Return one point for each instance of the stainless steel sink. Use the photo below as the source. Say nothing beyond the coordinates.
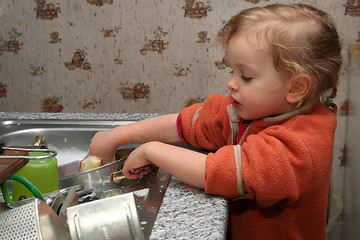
(71, 140)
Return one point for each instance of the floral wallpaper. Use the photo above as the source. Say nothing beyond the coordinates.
(123, 56)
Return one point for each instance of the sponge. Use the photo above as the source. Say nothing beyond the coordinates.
(89, 163)
(92, 162)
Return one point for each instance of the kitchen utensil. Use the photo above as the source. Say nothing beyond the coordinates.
(70, 200)
(117, 176)
(40, 142)
(111, 193)
(62, 195)
(69, 168)
(9, 166)
(109, 218)
(51, 153)
(51, 196)
(35, 220)
(97, 179)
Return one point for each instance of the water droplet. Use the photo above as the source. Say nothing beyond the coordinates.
(142, 192)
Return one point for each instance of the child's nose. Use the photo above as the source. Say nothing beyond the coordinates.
(232, 85)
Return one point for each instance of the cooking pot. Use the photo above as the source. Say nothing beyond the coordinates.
(98, 179)
(109, 218)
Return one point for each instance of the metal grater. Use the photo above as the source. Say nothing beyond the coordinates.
(20, 223)
(35, 220)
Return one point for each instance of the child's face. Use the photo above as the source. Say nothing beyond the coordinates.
(257, 88)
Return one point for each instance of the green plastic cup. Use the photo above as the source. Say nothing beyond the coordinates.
(41, 173)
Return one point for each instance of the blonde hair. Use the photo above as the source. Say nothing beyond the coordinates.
(302, 39)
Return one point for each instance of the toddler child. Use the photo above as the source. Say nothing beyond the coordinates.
(271, 138)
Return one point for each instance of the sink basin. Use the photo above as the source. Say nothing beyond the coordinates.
(71, 140)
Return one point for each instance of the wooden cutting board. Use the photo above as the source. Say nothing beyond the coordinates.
(10, 166)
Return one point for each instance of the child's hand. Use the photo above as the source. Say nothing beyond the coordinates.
(102, 146)
(135, 160)
(185, 164)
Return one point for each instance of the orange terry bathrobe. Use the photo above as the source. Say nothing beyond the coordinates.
(277, 175)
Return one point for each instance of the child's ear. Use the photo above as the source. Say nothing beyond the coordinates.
(298, 88)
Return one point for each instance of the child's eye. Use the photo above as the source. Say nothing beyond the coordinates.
(242, 76)
(246, 79)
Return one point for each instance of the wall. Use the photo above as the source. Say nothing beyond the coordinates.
(352, 178)
(133, 56)
(119, 56)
